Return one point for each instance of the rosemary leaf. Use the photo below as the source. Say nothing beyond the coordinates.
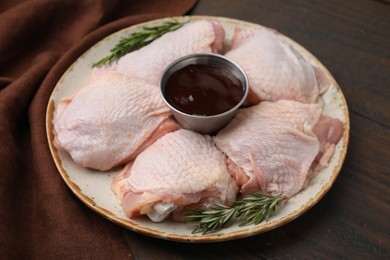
(138, 40)
(253, 209)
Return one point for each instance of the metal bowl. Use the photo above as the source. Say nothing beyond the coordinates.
(204, 124)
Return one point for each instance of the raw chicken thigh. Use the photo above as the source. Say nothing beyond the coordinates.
(274, 68)
(111, 120)
(150, 61)
(181, 168)
(272, 146)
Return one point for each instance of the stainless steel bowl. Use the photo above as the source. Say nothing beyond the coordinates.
(199, 123)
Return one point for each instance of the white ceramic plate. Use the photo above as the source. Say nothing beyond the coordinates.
(93, 188)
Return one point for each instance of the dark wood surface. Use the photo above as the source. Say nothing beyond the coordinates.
(352, 39)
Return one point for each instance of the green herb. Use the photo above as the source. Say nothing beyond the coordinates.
(252, 209)
(137, 40)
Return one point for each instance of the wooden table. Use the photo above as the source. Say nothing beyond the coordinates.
(352, 39)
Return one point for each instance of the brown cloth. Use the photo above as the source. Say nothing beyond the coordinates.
(40, 218)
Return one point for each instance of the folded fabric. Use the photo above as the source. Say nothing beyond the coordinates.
(39, 216)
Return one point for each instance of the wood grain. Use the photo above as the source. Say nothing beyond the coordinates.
(352, 39)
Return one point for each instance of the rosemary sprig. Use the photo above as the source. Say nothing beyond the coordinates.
(212, 219)
(256, 208)
(138, 40)
(252, 209)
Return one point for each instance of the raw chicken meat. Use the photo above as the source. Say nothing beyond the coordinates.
(272, 146)
(150, 61)
(328, 131)
(111, 120)
(181, 168)
(274, 68)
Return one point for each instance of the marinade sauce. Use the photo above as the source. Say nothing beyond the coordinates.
(199, 89)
